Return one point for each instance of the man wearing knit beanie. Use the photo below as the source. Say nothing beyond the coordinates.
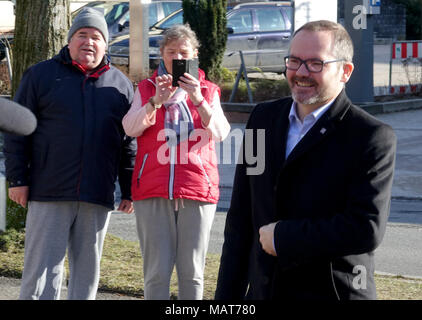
(88, 38)
(66, 170)
(89, 18)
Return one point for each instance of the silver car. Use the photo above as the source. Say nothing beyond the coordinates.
(262, 32)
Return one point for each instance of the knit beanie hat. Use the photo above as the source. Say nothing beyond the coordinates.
(89, 18)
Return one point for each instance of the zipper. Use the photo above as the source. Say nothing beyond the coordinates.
(172, 165)
(86, 77)
(142, 169)
(205, 173)
(78, 186)
(333, 282)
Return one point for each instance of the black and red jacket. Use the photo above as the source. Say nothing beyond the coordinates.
(79, 148)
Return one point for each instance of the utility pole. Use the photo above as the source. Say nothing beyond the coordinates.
(359, 23)
(139, 40)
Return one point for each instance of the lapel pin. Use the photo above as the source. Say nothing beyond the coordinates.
(323, 130)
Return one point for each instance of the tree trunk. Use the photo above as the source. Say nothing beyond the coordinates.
(41, 28)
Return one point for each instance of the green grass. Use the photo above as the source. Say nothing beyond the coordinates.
(121, 270)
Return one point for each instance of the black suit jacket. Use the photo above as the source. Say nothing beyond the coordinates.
(331, 197)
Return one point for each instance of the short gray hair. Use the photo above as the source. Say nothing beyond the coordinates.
(343, 45)
(179, 31)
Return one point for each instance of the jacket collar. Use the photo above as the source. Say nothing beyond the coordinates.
(64, 57)
(323, 127)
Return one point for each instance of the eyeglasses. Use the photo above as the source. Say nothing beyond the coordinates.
(312, 65)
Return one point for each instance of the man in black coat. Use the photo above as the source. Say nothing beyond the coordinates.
(308, 225)
(67, 168)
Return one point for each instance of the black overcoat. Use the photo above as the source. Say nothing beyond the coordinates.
(331, 197)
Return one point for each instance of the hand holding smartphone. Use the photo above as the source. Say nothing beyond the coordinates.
(182, 66)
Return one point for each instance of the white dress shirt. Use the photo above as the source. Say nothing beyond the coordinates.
(298, 129)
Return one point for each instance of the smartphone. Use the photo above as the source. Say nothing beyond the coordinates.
(182, 66)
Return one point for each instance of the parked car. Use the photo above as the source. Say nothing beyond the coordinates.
(117, 15)
(260, 30)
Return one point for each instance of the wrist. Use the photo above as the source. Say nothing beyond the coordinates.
(200, 104)
(154, 104)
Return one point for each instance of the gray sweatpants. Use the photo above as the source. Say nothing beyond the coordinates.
(168, 238)
(51, 227)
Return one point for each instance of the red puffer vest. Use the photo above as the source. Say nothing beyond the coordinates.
(188, 170)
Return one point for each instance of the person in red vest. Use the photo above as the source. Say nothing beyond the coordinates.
(175, 180)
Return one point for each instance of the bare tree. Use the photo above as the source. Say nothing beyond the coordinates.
(40, 32)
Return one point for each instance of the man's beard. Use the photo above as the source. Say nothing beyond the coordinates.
(317, 98)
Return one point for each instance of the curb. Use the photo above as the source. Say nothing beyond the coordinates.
(400, 276)
(404, 198)
(392, 106)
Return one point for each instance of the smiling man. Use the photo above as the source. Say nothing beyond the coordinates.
(66, 170)
(306, 228)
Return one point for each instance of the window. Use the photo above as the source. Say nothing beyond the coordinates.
(289, 12)
(176, 19)
(112, 13)
(270, 20)
(169, 7)
(240, 22)
(153, 14)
